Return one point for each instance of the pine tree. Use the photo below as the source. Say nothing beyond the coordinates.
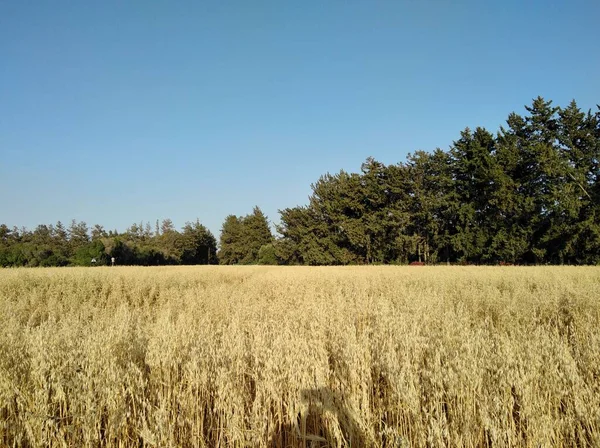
(231, 251)
(574, 235)
(474, 175)
(255, 234)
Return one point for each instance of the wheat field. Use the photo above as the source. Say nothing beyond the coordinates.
(300, 357)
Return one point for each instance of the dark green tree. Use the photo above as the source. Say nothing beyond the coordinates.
(199, 245)
(170, 243)
(268, 255)
(231, 250)
(474, 172)
(255, 234)
(574, 233)
(98, 232)
(432, 206)
(78, 235)
(242, 238)
(306, 239)
(94, 250)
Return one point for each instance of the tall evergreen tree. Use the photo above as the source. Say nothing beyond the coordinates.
(231, 250)
(78, 234)
(255, 234)
(428, 202)
(574, 234)
(475, 178)
(170, 243)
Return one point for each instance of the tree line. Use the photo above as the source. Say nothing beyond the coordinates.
(78, 245)
(528, 194)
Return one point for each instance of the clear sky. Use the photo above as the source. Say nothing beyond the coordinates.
(115, 112)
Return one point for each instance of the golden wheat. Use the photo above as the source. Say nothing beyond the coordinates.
(290, 357)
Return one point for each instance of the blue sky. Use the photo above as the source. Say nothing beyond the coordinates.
(118, 112)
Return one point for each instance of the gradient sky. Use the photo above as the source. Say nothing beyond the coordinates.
(115, 112)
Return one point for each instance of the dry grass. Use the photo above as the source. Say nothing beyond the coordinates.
(278, 357)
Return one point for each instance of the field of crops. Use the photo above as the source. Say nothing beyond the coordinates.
(290, 357)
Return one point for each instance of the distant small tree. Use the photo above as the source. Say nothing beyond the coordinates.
(166, 226)
(94, 250)
(98, 232)
(267, 255)
(78, 235)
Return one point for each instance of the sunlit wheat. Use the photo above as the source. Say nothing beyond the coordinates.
(291, 357)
